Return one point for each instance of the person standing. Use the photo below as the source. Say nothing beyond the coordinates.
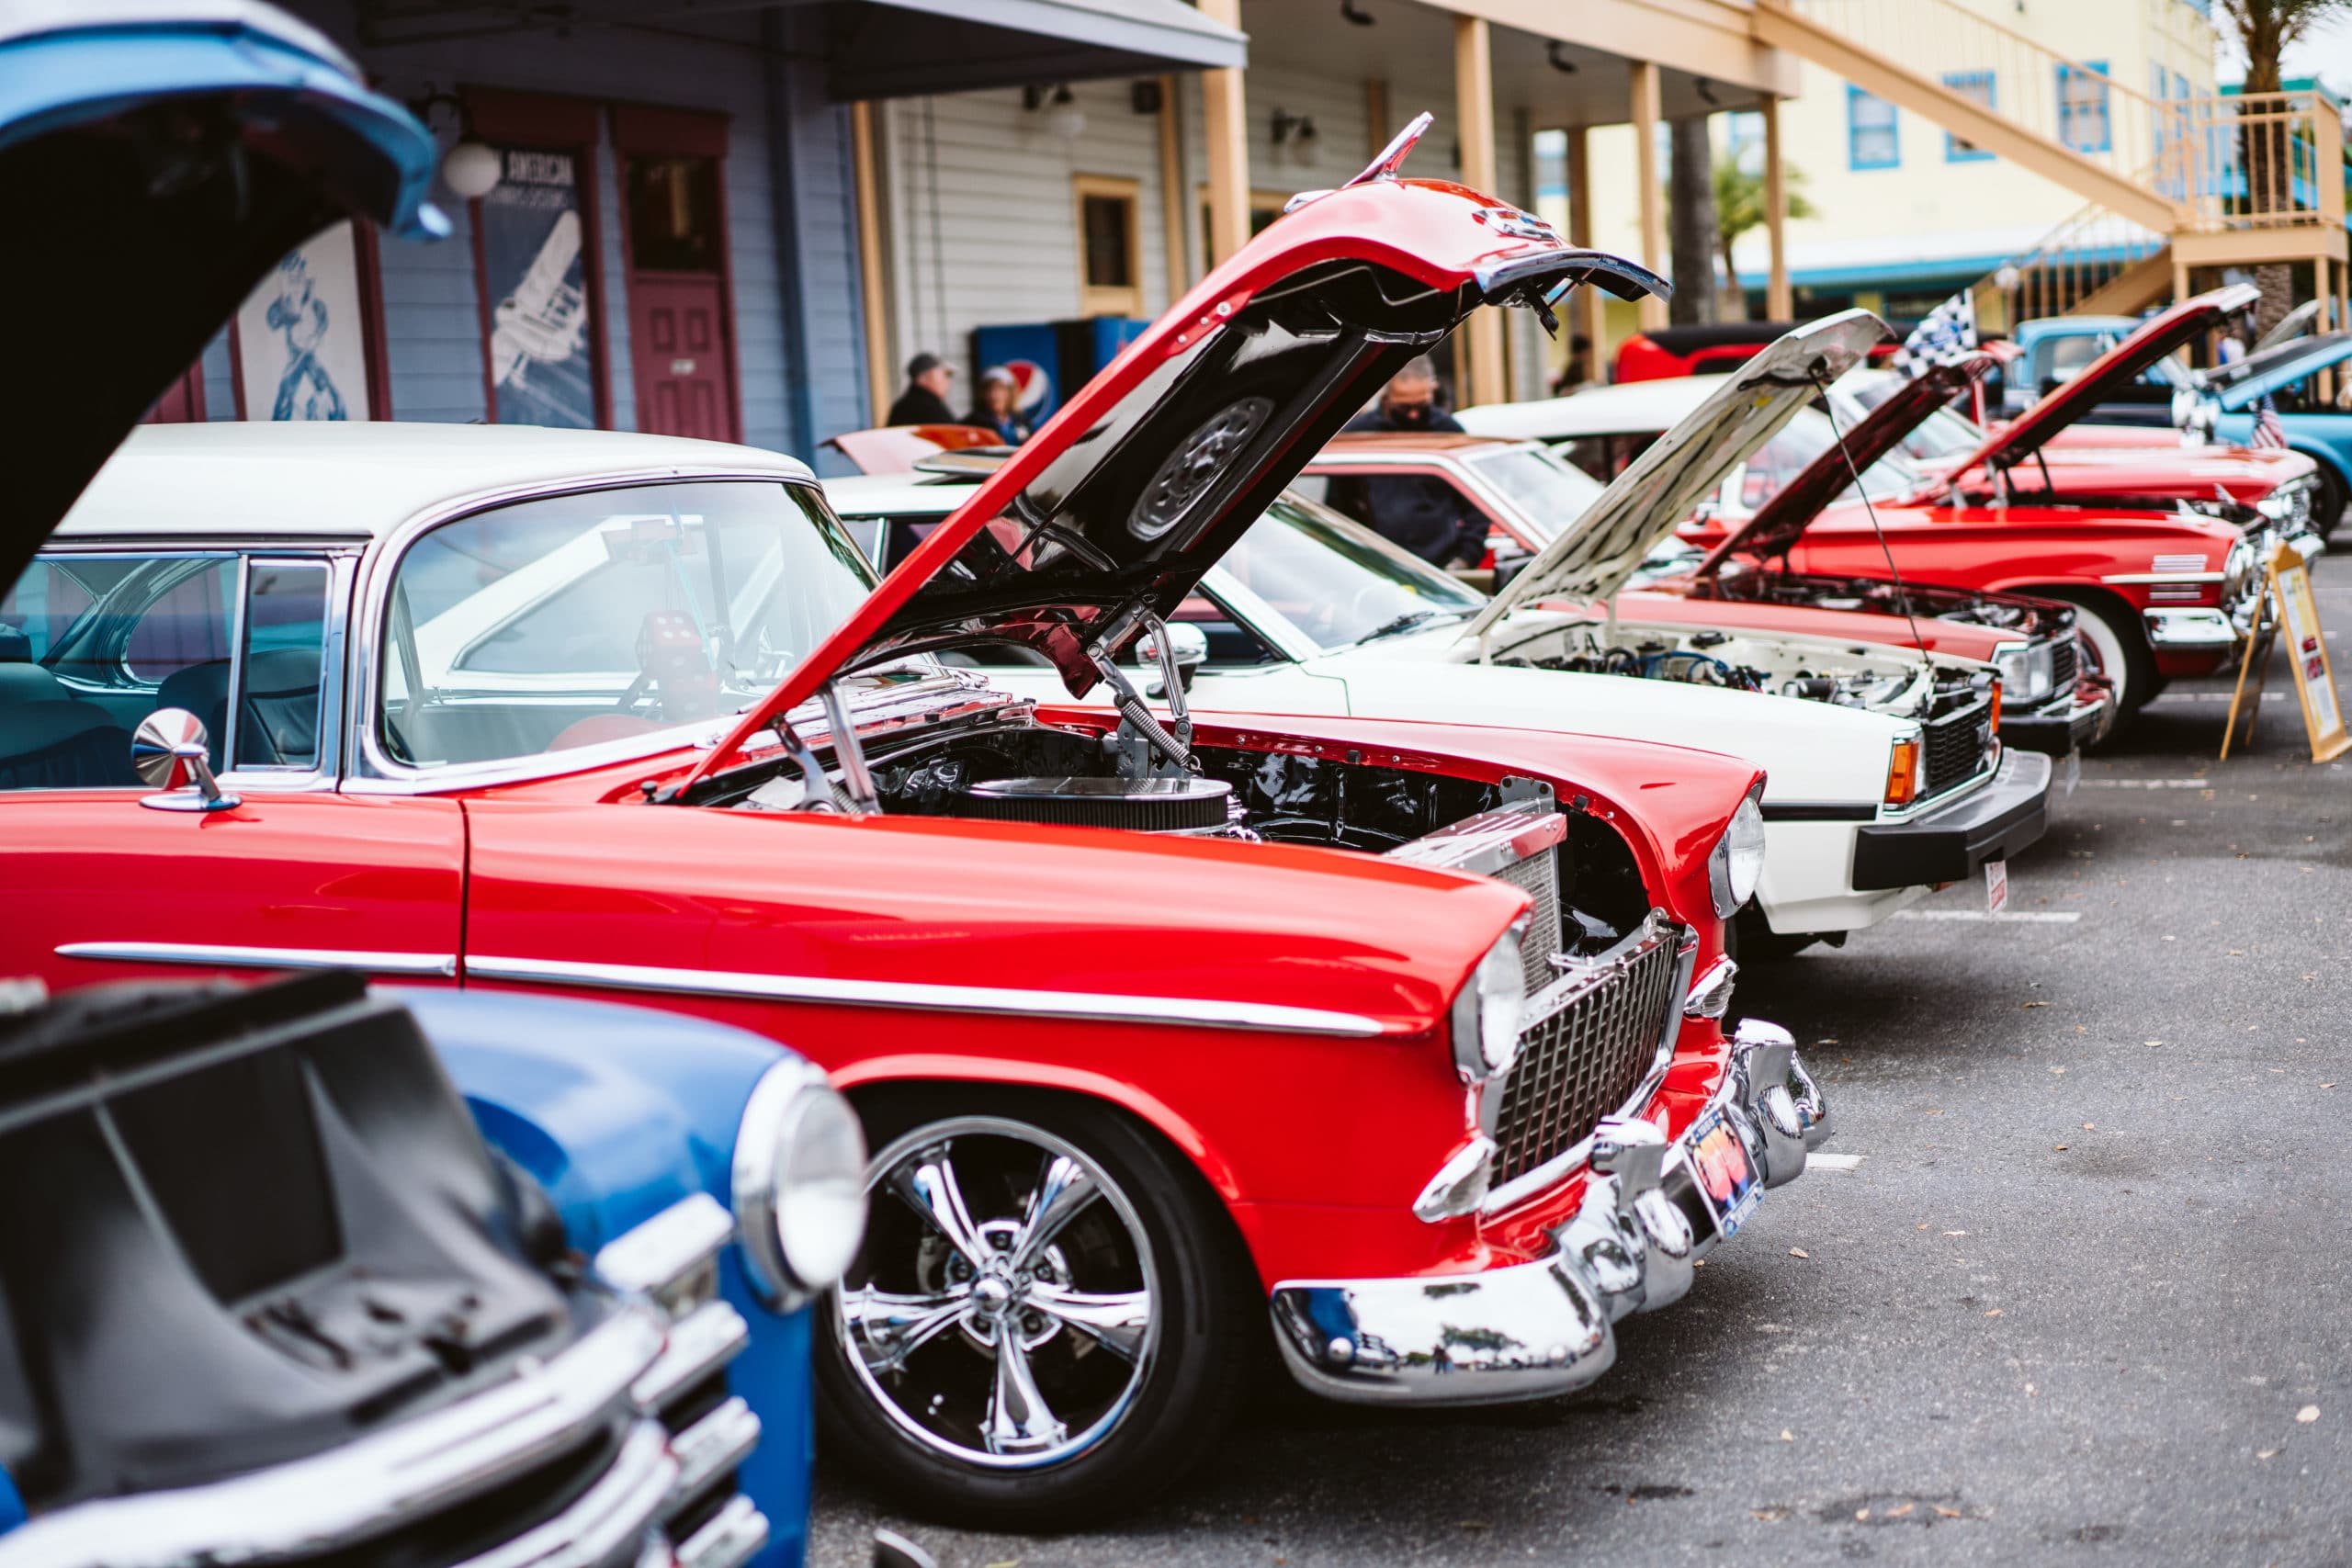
(1416, 512)
(999, 407)
(926, 399)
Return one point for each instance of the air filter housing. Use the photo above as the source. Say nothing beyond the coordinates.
(1144, 805)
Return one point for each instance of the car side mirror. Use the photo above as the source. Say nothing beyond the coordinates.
(171, 752)
(1187, 645)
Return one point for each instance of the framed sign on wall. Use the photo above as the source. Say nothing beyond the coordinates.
(304, 344)
(536, 263)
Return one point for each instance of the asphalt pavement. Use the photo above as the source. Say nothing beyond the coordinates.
(2086, 1298)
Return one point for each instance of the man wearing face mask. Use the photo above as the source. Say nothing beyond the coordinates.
(1420, 513)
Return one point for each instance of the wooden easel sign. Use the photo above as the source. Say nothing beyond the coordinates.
(2286, 591)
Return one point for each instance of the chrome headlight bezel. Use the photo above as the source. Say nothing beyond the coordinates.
(798, 1180)
(2028, 671)
(1487, 1009)
(1735, 865)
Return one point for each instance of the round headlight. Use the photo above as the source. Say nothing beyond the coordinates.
(1738, 862)
(1487, 1014)
(799, 1184)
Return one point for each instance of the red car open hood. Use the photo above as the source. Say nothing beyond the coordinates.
(1780, 521)
(2106, 375)
(1145, 478)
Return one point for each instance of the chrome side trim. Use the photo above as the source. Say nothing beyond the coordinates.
(362, 1488)
(1081, 1005)
(2162, 577)
(212, 956)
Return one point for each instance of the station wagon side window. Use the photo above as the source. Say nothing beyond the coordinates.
(91, 643)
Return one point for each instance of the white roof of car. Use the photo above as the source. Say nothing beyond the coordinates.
(334, 480)
(1643, 406)
(871, 495)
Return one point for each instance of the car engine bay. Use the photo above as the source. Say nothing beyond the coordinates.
(1881, 681)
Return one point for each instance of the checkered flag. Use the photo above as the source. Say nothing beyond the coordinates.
(1949, 329)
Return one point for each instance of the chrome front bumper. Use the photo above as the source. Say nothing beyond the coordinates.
(1535, 1330)
(2189, 626)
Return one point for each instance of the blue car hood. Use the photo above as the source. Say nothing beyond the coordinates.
(157, 157)
(2237, 386)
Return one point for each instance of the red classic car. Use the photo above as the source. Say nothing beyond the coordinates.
(1528, 495)
(1402, 1044)
(2161, 590)
(2047, 454)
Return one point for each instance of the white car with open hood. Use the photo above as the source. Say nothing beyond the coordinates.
(1886, 775)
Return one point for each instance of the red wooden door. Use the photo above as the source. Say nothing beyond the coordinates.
(678, 339)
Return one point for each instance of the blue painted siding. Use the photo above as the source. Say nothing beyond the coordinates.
(432, 321)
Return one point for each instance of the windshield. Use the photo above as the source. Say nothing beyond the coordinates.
(1791, 452)
(1947, 432)
(575, 619)
(1338, 581)
(1545, 488)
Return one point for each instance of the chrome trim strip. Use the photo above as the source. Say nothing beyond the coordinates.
(711, 1446)
(668, 1250)
(2163, 577)
(733, 1534)
(358, 1490)
(1080, 1005)
(699, 1344)
(212, 956)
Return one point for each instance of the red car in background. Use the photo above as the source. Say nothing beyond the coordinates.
(1527, 494)
(2165, 589)
(2047, 454)
(1708, 350)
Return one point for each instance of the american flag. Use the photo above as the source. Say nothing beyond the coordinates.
(2269, 431)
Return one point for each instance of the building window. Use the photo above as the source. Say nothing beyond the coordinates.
(1870, 141)
(1744, 142)
(2082, 107)
(1977, 87)
(1110, 248)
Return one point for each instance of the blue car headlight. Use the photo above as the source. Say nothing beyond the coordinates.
(799, 1184)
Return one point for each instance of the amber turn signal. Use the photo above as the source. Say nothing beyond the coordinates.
(1995, 729)
(1903, 774)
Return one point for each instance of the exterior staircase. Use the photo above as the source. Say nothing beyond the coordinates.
(2169, 184)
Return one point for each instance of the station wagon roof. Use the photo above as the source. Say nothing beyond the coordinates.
(326, 481)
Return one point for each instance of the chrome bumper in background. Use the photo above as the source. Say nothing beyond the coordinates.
(1534, 1330)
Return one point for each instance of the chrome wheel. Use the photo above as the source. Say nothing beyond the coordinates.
(1003, 1309)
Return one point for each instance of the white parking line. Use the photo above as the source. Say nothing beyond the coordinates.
(2151, 784)
(1848, 1163)
(2019, 917)
(2212, 697)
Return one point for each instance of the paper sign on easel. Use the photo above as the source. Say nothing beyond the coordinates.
(2314, 677)
(2287, 593)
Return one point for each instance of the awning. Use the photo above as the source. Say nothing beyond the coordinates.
(896, 49)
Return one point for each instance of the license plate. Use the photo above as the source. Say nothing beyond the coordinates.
(1997, 886)
(2073, 771)
(1728, 1185)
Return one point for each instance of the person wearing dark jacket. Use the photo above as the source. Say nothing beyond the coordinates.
(926, 399)
(1415, 512)
(999, 407)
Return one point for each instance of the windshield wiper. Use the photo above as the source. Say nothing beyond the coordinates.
(1409, 621)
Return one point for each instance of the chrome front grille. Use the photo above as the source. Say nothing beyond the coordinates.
(2062, 664)
(1955, 748)
(1518, 843)
(1589, 1045)
(1539, 876)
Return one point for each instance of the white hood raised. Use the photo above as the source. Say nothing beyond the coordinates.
(1595, 556)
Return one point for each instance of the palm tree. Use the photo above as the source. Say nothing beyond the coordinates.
(1739, 207)
(2267, 29)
